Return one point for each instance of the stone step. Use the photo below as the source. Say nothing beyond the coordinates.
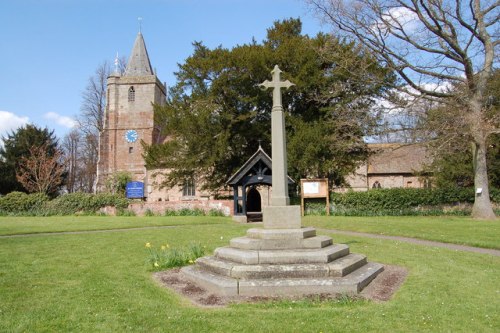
(347, 264)
(351, 283)
(296, 256)
(218, 284)
(239, 271)
(365, 274)
(296, 287)
(337, 268)
(317, 242)
(227, 286)
(216, 265)
(297, 233)
(247, 243)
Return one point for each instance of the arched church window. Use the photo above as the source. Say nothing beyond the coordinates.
(131, 94)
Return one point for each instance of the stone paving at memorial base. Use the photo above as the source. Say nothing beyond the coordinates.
(282, 262)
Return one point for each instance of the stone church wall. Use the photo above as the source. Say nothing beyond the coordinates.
(159, 207)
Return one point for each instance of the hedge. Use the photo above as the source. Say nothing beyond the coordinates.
(406, 201)
(18, 203)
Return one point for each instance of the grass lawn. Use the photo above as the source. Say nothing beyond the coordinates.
(99, 282)
(28, 225)
(458, 230)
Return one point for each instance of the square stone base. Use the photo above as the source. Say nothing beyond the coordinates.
(281, 217)
(240, 218)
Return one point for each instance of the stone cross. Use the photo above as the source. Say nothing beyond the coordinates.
(279, 195)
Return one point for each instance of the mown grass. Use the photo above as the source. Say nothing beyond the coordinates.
(26, 225)
(100, 282)
(458, 230)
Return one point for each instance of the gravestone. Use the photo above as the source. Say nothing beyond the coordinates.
(283, 258)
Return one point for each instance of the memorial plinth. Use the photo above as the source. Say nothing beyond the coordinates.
(282, 259)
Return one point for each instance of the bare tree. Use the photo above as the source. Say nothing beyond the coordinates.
(90, 124)
(442, 50)
(41, 172)
(91, 119)
(94, 100)
(71, 144)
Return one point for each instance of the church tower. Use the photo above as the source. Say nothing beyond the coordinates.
(129, 117)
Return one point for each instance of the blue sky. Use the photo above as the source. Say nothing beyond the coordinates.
(49, 48)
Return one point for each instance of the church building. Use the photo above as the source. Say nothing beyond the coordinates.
(129, 119)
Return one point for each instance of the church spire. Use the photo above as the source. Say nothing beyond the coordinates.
(138, 63)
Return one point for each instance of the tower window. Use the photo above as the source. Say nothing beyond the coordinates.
(130, 150)
(188, 189)
(131, 94)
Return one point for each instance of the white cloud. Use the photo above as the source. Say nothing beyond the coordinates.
(397, 17)
(9, 122)
(60, 120)
(401, 16)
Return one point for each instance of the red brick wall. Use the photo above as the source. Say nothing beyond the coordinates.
(159, 207)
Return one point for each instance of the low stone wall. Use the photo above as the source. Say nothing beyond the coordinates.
(159, 207)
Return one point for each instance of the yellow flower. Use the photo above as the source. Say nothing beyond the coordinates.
(191, 261)
(148, 245)
(163, 247)
(156, 264)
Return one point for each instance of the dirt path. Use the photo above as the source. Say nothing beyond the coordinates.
(417, 241)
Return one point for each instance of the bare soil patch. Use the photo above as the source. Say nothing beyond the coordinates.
(385, 284)
(381, 289)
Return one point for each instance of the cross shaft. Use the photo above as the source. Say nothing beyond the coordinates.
(279, 196)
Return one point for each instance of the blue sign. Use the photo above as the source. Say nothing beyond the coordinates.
(134, 190)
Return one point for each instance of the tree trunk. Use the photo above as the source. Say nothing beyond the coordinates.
(482, 208)
(482, 205)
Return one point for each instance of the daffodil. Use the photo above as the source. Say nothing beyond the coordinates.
(148, 245)
(163, 247)
(156, 264)
(191, 261)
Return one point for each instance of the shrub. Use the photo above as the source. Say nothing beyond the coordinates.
(170, 212)
(215, 212)
(125, 212)
(86, 203)
(185, 212)
(314, 207)
(149, 212)
(117, 182)
(20, 202)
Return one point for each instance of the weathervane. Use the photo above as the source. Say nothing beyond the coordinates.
(117, 62)
(140, 24)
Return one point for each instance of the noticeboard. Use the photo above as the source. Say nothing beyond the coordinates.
(314, 188)
(134, 190)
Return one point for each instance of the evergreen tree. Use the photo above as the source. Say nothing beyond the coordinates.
(17, 145)
(216, 114)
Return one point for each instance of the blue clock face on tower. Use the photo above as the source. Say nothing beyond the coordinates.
(131, 136)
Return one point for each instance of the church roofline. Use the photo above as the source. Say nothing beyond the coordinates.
(236, 177)
(259, 155)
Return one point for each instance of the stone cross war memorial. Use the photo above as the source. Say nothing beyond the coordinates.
(282, 258)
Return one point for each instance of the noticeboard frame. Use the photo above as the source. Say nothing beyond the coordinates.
(314, 188)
